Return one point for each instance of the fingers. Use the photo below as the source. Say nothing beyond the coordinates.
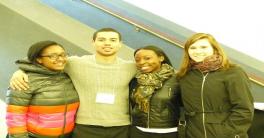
(18, 85)
(26, 79)
(19, 81)
(12, 85)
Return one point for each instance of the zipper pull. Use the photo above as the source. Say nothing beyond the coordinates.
(169, 92)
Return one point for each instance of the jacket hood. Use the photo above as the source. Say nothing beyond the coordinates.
(27, 66)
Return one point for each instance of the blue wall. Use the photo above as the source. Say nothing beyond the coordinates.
(133, 38)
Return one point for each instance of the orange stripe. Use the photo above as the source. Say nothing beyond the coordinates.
(16, 130)
(73, 106)
(53, 109)
(50, 131)
(16, 109)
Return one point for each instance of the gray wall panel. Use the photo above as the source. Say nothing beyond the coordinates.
(17, 33)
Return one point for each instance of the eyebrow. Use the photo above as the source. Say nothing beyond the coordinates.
(54, 53)
(106, 38)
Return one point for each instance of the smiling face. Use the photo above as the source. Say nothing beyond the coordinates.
(107, 43)
(200, 49)
(148, 61)
(53, 58)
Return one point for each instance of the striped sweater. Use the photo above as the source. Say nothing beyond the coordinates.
(91, 77)
(47, 109)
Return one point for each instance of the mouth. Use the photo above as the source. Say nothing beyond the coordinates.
(144, 68)
(107, 49)
(200, 56)
(60, 64)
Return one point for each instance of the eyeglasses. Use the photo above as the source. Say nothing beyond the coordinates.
(55, 56)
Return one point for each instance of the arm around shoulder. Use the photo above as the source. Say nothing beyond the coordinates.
(19, 80)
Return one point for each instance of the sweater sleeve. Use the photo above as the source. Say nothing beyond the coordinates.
(17, 108)
(241, 100)
(70, 62)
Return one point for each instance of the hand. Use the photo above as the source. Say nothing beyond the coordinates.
(19, 81)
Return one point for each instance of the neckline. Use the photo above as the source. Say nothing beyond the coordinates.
(104, 63)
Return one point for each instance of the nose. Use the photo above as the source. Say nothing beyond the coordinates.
(201, 50)
(140, 62)
(107, 43)
(198, 51)
(61, 58)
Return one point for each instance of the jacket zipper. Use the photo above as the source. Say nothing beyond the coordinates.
(148, 115)
(149, 109)
(202, 99)
(65, 111)
(169, 92)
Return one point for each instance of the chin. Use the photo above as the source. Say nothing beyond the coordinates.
(198, 60)
(108, 54)
(146, 71)
(58, 69)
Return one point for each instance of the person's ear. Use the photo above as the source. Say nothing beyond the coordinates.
(161, 58)
(120, 44)
(93, 42)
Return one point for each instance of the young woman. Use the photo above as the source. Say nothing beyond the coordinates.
(215, 93)
(154, 96)
(47, 109)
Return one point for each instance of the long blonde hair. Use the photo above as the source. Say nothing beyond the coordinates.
(186, 66)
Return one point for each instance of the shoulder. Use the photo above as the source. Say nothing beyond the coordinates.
(235, 73)
(235, 70)
(128, 65)
(133, 84)
(36, 79)
(77, 61)
(120, 60)
(78, 58)
(172, 80)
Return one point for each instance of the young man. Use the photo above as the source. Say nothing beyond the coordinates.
(101, 81)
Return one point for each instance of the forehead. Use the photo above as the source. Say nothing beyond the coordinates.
(107, 35)
(53, 49)
(145, 52)
(201, 42)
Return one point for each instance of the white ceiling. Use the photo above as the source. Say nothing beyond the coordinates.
(237, 24)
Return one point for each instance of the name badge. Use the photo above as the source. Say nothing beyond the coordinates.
(105, 98)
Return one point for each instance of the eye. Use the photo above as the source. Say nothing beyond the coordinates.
(192, 47)
(113, 40)
(54, 56)
(63, 55)
(204, 47)
(100, 39)
(147, 58)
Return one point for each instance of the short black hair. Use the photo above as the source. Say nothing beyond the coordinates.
(158, 51)
(36, 49)
(107, 30)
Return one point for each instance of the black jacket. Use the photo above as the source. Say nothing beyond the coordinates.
(218, 104)
(164, 106)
